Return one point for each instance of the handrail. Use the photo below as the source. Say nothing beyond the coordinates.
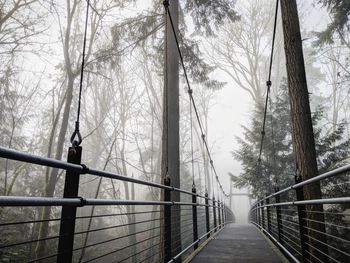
(217, 215)
(82, 169)
(337, 200)
(307, 218)
(335, 172)
(35, 159)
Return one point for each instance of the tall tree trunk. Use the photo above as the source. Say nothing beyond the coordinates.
(302, 135)
(170, 139)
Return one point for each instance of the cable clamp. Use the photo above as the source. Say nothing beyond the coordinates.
(190, 91)
(83, 201)
(269, 83)
(85, 169)
(193, 187)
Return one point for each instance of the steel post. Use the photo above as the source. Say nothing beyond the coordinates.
(258, 214)
(223, 213)
(263, 225)
(207, 220)
(194, 217)
(68, 214)
(214, 212)
(167, 222)
(268, 216)
(219, 212)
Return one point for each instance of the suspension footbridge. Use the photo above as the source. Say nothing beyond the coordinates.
(172, 223)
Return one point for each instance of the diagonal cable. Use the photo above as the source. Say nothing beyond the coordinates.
(268, 84)
(76, 131)
(190, 92)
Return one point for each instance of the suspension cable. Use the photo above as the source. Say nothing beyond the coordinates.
(166, 5)
(268, 85)
(166, 132)
(205, 178)
(76, 132)
(217, 188)
(212, 181)
(273, 143)
(192, 160)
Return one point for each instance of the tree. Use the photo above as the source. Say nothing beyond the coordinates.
(18, 28)
(302, 130)
(278, 157)
(136, 30)
(340, 12)
(71, 67)
(240, 50)
(277, 164)
(332, 151)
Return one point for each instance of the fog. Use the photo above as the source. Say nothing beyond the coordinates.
(226, 55)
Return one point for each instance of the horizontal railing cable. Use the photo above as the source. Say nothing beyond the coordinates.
(119, 214)
(290, 243)
(29, 242)
(329, 235)
(142, 251)
(78, 217)
(326, 223)
(321, 252)
(116, 238)
(29, 222)
(42, 258)
(313, 256)
(329, 246)
(120, 249)
(149, 257)
(115, 226)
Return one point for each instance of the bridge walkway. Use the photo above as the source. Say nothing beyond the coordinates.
(241, 243)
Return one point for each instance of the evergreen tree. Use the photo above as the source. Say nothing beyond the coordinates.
(277, 164)
(339, 11)
(277, 159)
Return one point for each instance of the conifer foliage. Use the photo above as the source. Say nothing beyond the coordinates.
(277, 166)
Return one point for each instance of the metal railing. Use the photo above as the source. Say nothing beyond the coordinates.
(312, 230)
(142, 232)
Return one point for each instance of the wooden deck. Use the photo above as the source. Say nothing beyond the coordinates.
(239, 243)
